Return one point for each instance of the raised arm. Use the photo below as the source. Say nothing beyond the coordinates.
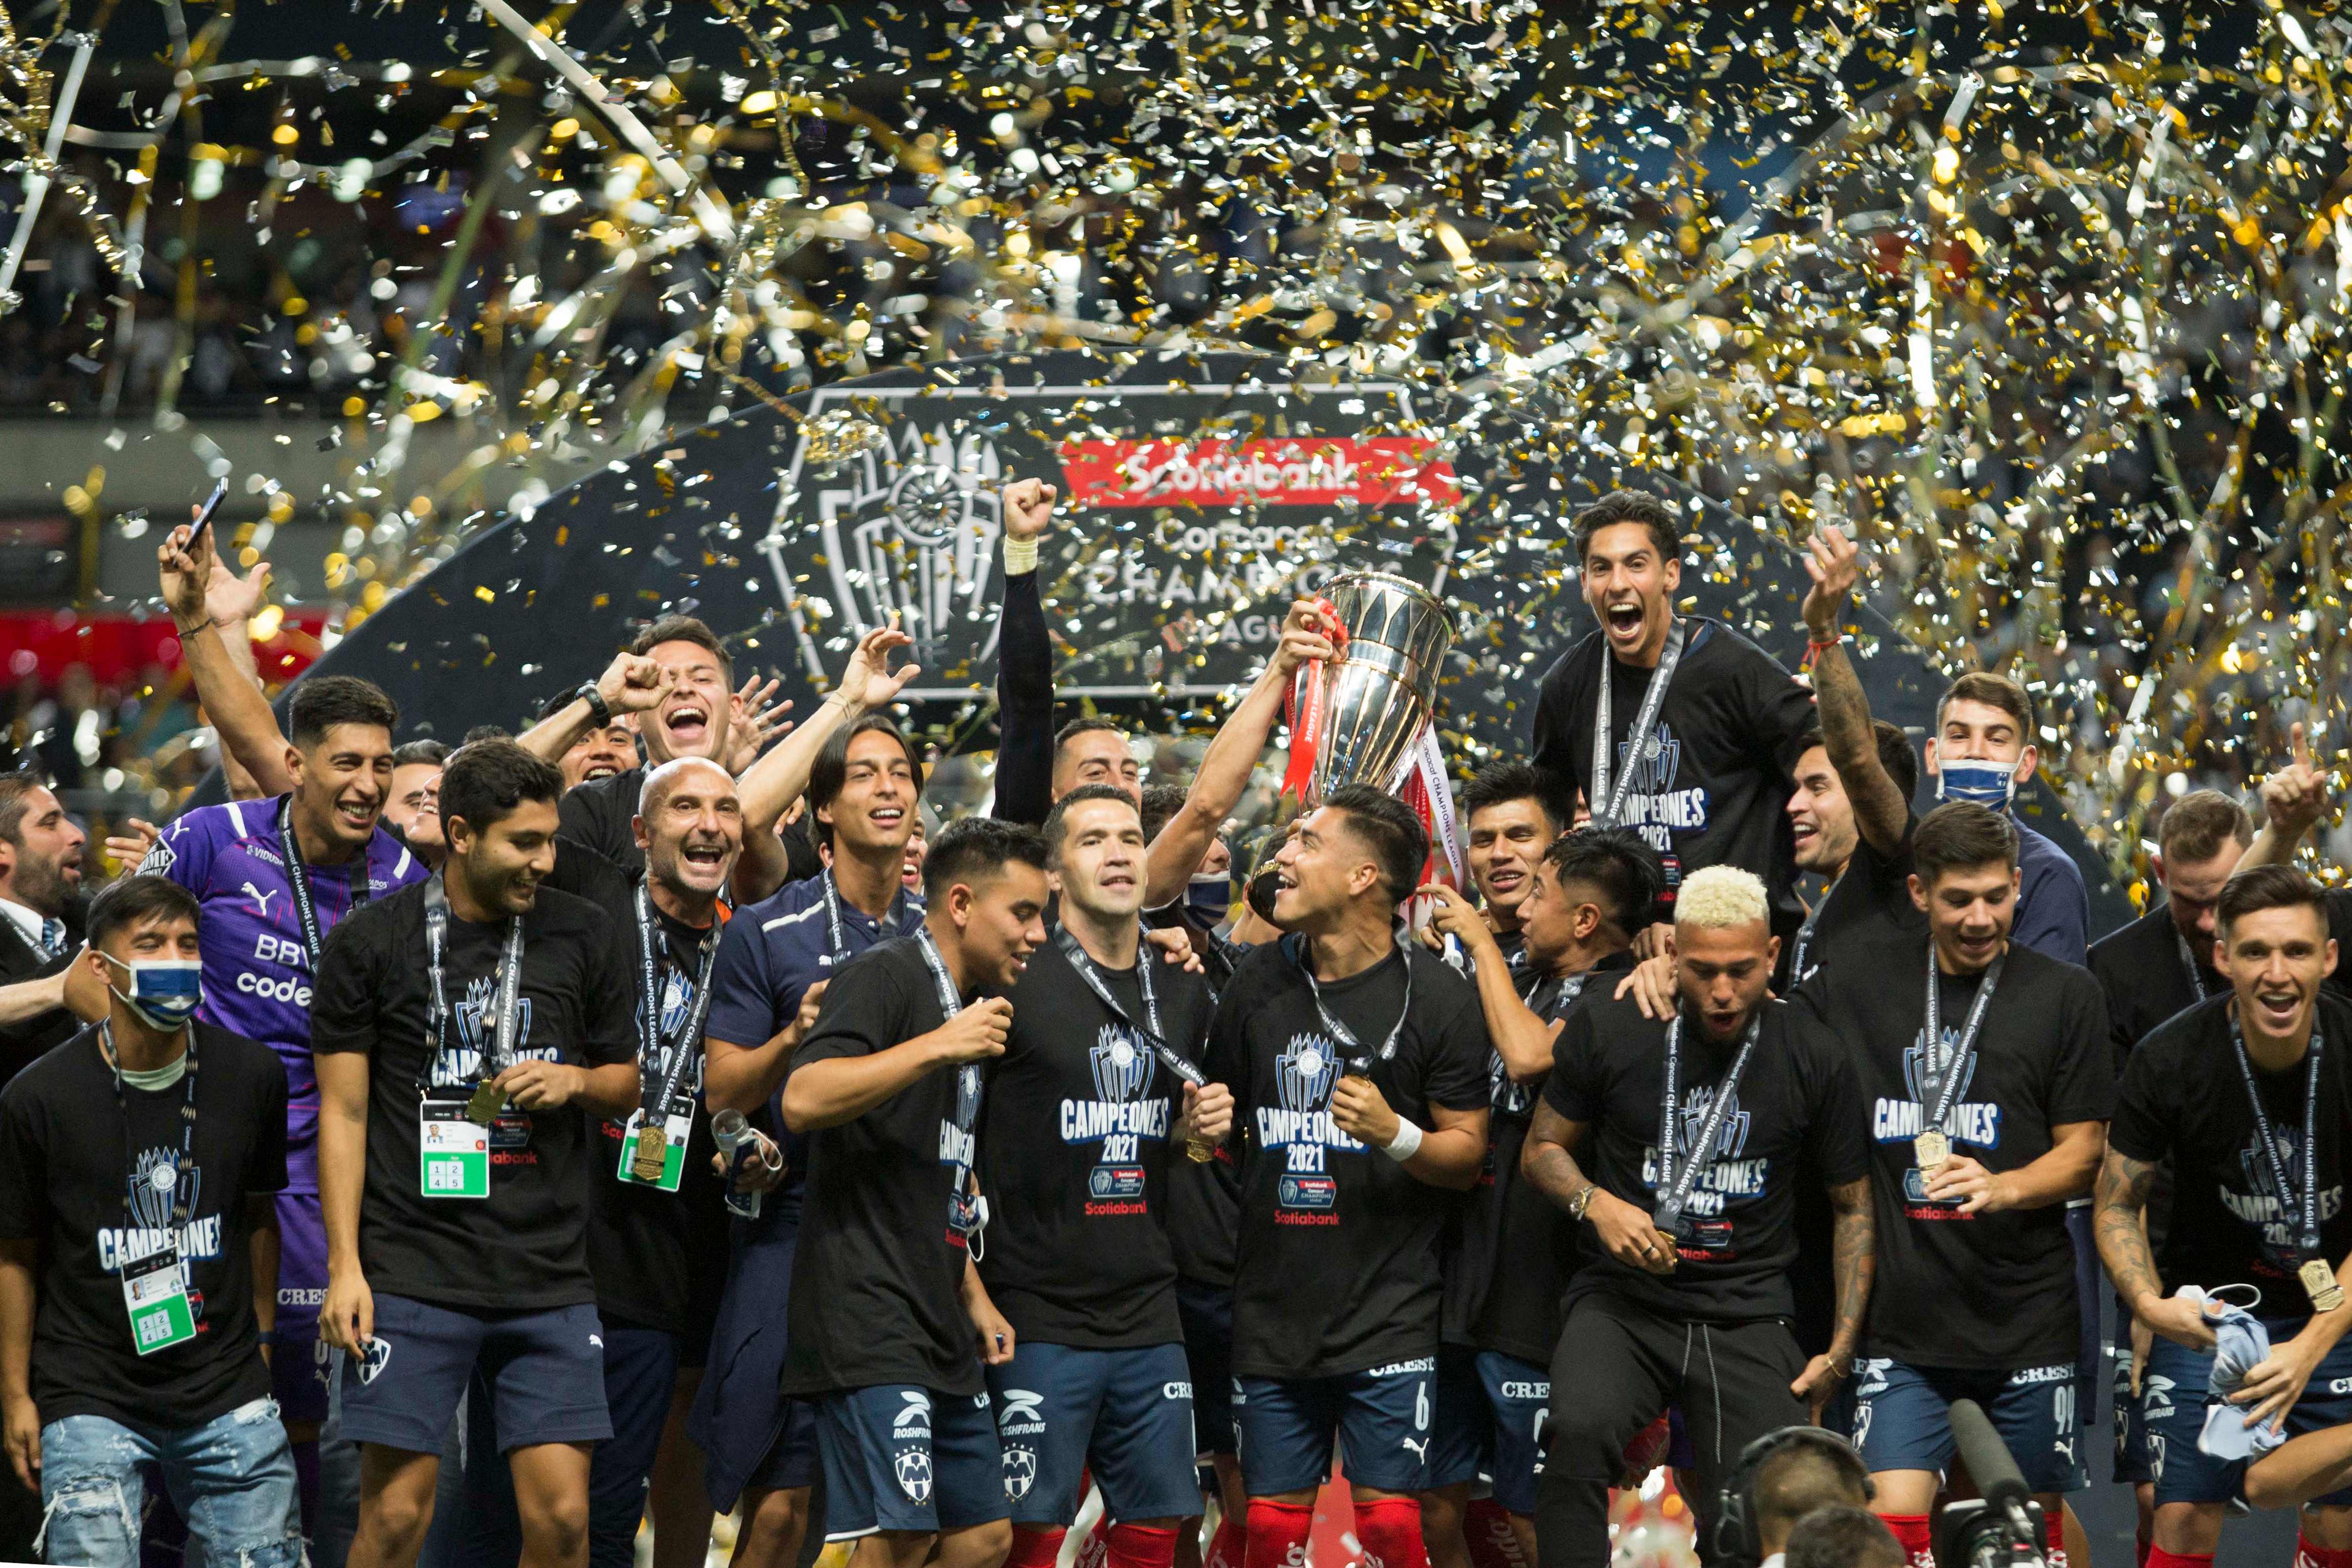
(2293, 798)
(630, 684)
(743, 1077)
(1225, 768)
(210, 609)
(1880, 809)
(1025, 662)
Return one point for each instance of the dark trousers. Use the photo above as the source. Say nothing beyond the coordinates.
(1616, 1370)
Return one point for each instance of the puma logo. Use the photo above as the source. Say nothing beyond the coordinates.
(260, 898)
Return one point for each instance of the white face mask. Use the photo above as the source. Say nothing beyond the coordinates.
(165, 991)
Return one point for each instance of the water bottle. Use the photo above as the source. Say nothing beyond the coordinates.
(735, 1138)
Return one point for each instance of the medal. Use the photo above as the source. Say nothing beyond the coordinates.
(652, 1156)
(2319, 1284)
(487, 1101)
(1931, 1149)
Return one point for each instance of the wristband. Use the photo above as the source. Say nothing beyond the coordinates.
(1020, 555)
(1814, 645)
(267, 1336)
(600, 712)
(1405, 1144)
(201, 626)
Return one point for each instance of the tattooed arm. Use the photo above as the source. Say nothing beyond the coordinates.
(1624, 1230)
(2119, 1223)
(1853, 1264)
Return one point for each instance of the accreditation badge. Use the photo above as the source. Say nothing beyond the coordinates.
(453, 1152)
(155, 1292)
(647, 1163)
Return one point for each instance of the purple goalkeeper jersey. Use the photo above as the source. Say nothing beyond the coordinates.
(257, 968)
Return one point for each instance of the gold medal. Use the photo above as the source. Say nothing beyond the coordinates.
(2319, 1284)
(1931, 1149)
(487, 1101)
(1198, 1149)
(652, 1154)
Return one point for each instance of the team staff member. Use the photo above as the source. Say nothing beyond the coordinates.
(1983, 753)
(40, 927)
(1512, 812)
(461, 1028)
(1987, 1099)
(1083, 1113)
(1358, 1069)
(1702, 726)
(1590, 891)
(2246, 1096)
(886, 1308)
(139, 1258)
(1681, 1146)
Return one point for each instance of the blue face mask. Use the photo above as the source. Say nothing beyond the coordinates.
(1210, 899)
(165, 991)
(1991, 785)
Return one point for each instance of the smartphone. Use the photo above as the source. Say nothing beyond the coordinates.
(204, 514)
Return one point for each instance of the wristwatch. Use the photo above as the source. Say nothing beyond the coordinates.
(1583, 1200)
(600, 712)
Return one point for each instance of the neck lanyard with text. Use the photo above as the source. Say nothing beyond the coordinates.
(502, 1052)
(1675, 1185)
(681, 1047)
(1640, 740)
(298, 879)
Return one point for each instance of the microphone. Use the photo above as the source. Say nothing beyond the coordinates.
(2002, 1528)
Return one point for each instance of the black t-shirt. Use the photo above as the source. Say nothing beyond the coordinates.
(525, 1246)
(2144, 979)
(1796, 1100)
(878, 1282)
(1506, 1278)
(1870, 899)
(1992, 1292)
(1731, 727)
(648, 1249)
(2339, 930)
(1075, 1145)
(2184, 1100)
(601, 814)
(1338, 1258)
(64, 1182)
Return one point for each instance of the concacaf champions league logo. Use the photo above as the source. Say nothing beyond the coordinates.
(1304, 1071)
(151, 1205)
(1919, 1081)
(476, 1016)
(1653, 770)
(1122, 1069)
(1733, 1137)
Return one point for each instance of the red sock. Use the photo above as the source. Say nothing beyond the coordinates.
(1138, 1546)
(2157, 1557)
(1227, 1546)
(2308, 1555)
(1092, 1551)
(1277, 1533)
(1912, 1534)
(1486, 1528)
(2054, 1539)
(1391, 1531)
(2141, 1547)
(1035, 1546)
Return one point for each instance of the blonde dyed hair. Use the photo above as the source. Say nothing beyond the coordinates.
(1720, 896)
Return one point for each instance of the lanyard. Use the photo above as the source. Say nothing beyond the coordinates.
(2307, 1220)
(1946, 1073)
(1797, 969)
(2189, 962)
(1357, 1063)
(1571, 986)
(835, 931)
(965, 1213)
(683, 1046)
(1640, 742)
(500, 1055)
(298, 879)
(1674, 1185)
(1169, 1056)
(179, 1176)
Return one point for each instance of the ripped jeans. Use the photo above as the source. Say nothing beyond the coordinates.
(232, 1479)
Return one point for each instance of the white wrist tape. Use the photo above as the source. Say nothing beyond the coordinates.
(1020, 555)
(1406, 1143)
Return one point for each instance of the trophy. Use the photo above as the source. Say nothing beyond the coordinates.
(1381, 693)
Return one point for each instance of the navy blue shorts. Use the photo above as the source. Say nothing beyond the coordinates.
(1902, 1418)
(790, 1461)
(1207, 1313)
(1128, 1413)
(901, 1457)
(1490, 1416)
(2172, 1399)
(545, 1370)
(1381, 1420)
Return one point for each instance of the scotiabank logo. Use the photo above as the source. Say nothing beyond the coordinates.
(1309, 471)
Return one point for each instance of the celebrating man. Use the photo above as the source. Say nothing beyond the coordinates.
(1680, 1144)
(1358, 1069)
(40, 879)
(1988, 1079)
(1512, 812)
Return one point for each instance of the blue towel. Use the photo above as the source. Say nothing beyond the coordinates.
(2241, 1344)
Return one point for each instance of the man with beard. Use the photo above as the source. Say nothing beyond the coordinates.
(1682, 1145)
(1358, 1064)
(2245, 1096)
(889, 1322)
(40, 879)
(455, 1160)
(414, 812)
(1675, 726)
(1512, 812)
(1098, 1086)
(1967, 1041)
(1589, 893)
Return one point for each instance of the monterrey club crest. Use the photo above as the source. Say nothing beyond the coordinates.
(1303, 1072)
(911, 1437)
(1122, 1069)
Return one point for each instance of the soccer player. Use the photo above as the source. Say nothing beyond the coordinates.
(889, 1323)
(1983, 752)
(2293, 799)
(1988, 1099)
(1701, 725)
(1098, 1090)
(1358, 1069)
(1512, 812)
(1589, 893)
(2245, 1096)
(1681, 1144)
(461, 1028)
(40, 914)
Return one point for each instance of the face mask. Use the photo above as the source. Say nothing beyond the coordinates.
(1992, 785)
(165, 991)
(1208, 898)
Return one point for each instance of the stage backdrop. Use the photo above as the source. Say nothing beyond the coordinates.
(1200, 494)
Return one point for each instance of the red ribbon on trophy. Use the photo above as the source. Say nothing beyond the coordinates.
(1303, 709)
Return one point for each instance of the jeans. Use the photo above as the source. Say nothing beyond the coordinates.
(231, 1478)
